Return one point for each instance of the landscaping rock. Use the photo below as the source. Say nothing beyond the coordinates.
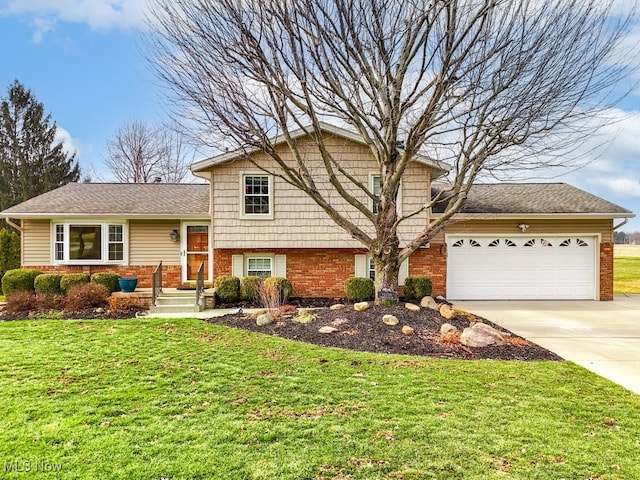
(481, 335)
(412, 307)
(407, 330)
(361, 306)
(390, 320)
(448, 329)
(304, 318)
(429, 302)
(337, 306)
(327, 329)
(264, 319)
(447, 311)
(339, 321)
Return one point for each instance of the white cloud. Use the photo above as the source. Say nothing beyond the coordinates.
(69, 144)
(101, 15)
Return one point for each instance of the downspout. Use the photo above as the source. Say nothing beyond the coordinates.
(14, 225)
(624, 222)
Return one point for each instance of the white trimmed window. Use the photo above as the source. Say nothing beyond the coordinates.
(364, 267)
(374, 185)
(89, 243)
(257, 196)
(259, 267)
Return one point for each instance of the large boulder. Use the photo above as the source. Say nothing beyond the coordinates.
(264, 319)
(360, 306)
(481, 335)
(447, 311)
(412, 307)
(429, 302)
(390, 320)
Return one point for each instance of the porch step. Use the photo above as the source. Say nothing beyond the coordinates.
(176, 302)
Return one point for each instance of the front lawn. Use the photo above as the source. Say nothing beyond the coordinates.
(626, 275)
(152, 399)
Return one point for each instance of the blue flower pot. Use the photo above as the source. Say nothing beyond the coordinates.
(128, 284)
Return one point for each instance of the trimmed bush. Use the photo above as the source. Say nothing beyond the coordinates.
(282, 284)
(227, 288)
(20, 301)
(19, 280)
(86, 295)
(70, 280)
(358, 289)
(48, 283)
(9, 251)
(108, 279)
(250, 288)
(416, 288)
(46, 302)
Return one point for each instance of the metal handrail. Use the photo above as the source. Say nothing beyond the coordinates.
(199, 283)
(156, 283)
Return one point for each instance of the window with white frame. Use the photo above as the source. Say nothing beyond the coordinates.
(372, 269)
(257, 196)
(259, 267)
(89, 243)
(375, 190)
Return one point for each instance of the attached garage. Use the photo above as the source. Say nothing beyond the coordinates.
(519, 267)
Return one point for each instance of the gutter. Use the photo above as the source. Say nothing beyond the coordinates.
(14, 225)
(624, 222)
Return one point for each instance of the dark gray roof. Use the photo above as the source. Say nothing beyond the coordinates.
(535, 199)
(118, 199)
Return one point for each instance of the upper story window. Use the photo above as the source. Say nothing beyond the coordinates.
(257, 196)
(375, 190)
(89, 243)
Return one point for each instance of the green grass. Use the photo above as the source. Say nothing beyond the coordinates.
(182, 399)
(626, 275)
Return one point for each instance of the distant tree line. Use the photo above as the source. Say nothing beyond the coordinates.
(632, 238)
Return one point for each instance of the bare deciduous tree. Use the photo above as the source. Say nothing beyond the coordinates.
(487, 86)
(139, 153)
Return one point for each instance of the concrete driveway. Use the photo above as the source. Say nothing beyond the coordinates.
(603, 337)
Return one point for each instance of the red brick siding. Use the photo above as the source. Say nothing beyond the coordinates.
(606, 271)
(431, 262)
(170, 273)
(321, 273)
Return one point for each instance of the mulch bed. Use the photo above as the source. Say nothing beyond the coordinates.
(365, 331)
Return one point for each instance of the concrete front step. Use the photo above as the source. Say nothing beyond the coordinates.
(175, 302)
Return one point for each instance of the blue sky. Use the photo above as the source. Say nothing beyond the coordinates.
(84, 60)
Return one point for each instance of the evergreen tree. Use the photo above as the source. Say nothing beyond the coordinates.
(32, 161)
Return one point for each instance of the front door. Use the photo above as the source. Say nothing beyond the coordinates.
(195, 251)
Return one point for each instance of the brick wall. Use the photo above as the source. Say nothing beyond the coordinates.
(431, 262)
(606, 271)
(322, 272)
(170, 273)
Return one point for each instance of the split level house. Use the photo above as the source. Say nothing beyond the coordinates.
(510, 241)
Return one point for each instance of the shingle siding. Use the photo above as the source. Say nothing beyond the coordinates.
(299, 222)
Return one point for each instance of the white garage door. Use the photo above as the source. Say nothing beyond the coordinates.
(519, 268)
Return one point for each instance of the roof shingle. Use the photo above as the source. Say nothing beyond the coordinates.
(119, 199)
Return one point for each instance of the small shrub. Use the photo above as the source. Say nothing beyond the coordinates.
(416, 288)
(108, 279)
(227, 288)
(86, 295)
(124, 303)
(19, 280)
(283, 286)
(48, 283)
(45, 302)
(358, 289)
(9, 251)
(70, 280)
(20, 301)
(250, 288)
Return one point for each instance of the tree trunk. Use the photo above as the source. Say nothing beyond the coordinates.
(387, 267)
